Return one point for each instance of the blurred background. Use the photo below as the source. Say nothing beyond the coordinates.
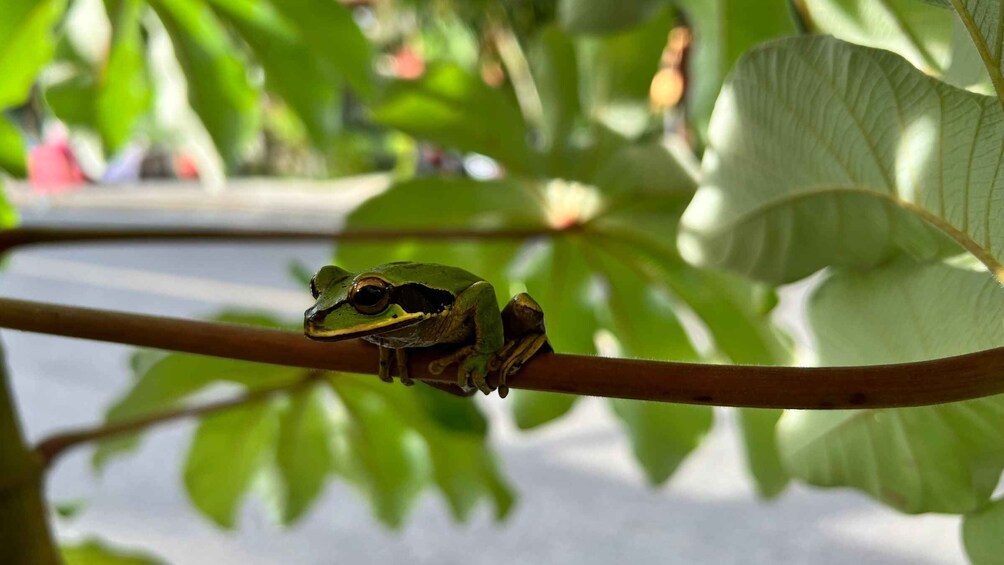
(385, 114)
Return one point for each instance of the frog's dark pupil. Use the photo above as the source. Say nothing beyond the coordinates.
(369, 295)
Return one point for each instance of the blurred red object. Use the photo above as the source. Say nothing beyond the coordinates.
(52, 167)
(185, 167)
(408, 64)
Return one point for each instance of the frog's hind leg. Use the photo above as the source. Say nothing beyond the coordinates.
(523, 323)
(437, 366)
(386, 362)
(402, 366)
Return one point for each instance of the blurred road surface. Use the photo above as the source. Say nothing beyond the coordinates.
(582, 500)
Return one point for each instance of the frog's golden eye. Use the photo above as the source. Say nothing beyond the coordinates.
(370, 296)
(313, 287)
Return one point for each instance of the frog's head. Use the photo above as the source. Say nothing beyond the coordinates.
(356, 305)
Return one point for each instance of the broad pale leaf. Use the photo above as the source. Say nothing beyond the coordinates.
(95, 552)
(303, 456)
(723, 31)
(826, 153)
(125, 93)
(456, 109)
(944, 458)
(983, 534)
(27, 42)
(984, 19)
(920, 33)
(219, 88)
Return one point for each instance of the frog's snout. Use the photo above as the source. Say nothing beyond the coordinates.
(313, 318)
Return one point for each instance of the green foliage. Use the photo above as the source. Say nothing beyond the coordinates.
(390, 442)
(95, 552)
(598, 16)
(124, 95)
(983, 534)
(26, 45)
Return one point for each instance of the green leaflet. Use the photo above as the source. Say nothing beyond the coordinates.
(825, 153)
(26, 45)
(944, 458)
(219, 89)
(723, 31)
(229, 449)
(439, 107)
(983, 534)
(96, 552)
(600, 16)
(124, 95)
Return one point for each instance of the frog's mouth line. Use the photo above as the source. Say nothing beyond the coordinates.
(319, 333)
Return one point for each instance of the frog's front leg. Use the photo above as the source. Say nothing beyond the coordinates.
(386, 360)
(402, 366)
(478, 303)
(523, 320)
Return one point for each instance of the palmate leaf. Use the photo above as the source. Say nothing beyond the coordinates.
(612, 274)
(944, 458)
(390, 442)
(599, 16)
(983, 534)
(825, 153)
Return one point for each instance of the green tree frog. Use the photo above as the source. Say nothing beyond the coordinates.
(404, 305)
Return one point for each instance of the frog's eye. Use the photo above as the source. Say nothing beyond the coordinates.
(313, 287)
(370, 296)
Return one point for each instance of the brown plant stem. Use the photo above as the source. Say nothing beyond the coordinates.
(875, 386)
(23, 236)
(49, 449)
(25, 537)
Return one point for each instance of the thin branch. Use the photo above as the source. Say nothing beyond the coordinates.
(876, 386)
(23, 236)
(55, 445)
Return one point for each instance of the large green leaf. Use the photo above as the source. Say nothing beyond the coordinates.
(983, 534)
(27, 43)
(303, 456)
(944, 458)
(723, 31)
(662, 435)
(329, 29)
(125, 93)
(601, 16)
(12, 149)
(984, 19)
(229, 449)
(456, 109)
(94, 552)
(554, 65)
(920, 33)
(219, 88)
(292, 69)
(825, 153)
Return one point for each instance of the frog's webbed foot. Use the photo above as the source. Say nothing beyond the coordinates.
(523, 323)
(458, 356)
(473, 367)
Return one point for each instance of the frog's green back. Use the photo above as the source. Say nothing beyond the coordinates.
(442, 277)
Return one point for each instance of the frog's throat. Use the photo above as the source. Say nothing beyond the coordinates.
(362, 330)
